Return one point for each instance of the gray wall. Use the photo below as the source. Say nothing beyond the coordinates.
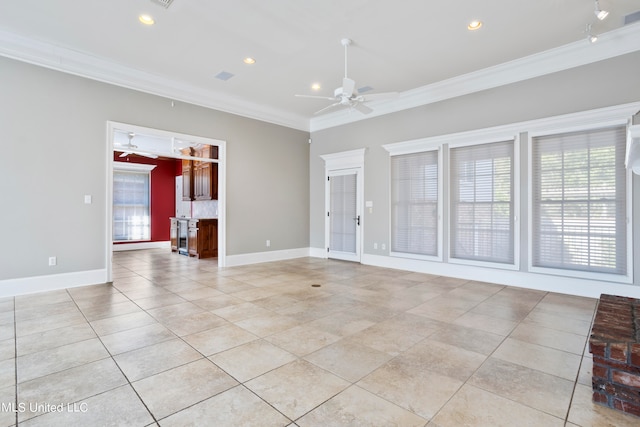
(597, 85)
(53, 152)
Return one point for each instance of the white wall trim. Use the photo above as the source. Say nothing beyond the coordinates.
(611, 44)
(81, 64)
(31, 285)
(132, 167)
(344, 159)
(590, 119)
(614, 43)
(269, 256)
(222, 183)
(141, 245)
(542, 282)
(318, 253)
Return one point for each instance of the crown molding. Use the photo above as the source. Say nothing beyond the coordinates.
(92, 67)
(614, 43)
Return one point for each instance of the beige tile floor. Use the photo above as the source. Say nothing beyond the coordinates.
(176, 341)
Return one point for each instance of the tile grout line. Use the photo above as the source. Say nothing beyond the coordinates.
(575, 384)
(489, 391)
(204, 357)
(112, 358)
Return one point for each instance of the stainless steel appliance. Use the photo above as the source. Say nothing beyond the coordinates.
(183, 240)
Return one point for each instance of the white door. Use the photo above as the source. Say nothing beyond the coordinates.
(343, 214)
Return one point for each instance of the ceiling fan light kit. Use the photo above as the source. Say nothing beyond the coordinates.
(346, 95)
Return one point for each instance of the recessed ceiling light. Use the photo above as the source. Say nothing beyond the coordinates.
(474, 25)
(146, 19)
(315, 86)
(249, 60)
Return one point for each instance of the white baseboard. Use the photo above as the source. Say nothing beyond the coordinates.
(318, 253)
(258, 257)
(521, 279)
(141, 245)
(30, 285)
(542, 282)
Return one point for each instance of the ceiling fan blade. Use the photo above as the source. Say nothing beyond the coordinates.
(377, 96)
(348, 86)
(139, 153)
(327, 108)
(362, 108)
(330, 98)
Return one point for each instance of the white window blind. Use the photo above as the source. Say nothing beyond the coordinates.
(579, 193)
(414, 203)
(482, 219)
(343, 211)
(131, 206)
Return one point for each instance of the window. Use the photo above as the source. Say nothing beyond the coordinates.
(131, 203)
(414, 203)
(578, 201)
(482, 207)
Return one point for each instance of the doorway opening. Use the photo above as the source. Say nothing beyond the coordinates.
(131, 144)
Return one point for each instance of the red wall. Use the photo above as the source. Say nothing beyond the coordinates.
(163, 197)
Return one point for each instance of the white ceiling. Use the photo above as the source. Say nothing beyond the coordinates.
(398, 46)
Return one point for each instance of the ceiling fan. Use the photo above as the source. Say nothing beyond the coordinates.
(130, 148)
(346, 96)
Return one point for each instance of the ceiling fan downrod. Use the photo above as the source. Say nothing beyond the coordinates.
(346, 43)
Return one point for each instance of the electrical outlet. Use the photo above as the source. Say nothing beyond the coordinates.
(384, 246)
(375, 246)
(268, 243)
(52, 261)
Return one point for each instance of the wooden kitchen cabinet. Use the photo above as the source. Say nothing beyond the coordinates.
(200, 179)
(187, 175)
(203, 238)
(205, 174)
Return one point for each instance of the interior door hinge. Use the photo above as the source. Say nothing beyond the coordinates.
(328, 178)
(327, 250)
(327, 213)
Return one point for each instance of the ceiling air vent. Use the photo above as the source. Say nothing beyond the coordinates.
(224, 75)
(163, 3)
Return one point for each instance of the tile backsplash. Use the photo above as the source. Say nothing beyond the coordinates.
(204, 209)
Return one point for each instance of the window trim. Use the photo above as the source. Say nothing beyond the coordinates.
(574, 121)
(440, 208)
(133, 167)
(139, 168)
(609, 277)
(489, 139)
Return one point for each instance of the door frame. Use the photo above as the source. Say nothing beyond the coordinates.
(335, 162)
(112, 126)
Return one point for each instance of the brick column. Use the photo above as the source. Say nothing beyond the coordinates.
(615, 346)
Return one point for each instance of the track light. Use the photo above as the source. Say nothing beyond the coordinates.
(590, 36)
(600, 14)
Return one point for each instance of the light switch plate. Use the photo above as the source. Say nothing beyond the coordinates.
(87, 199)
